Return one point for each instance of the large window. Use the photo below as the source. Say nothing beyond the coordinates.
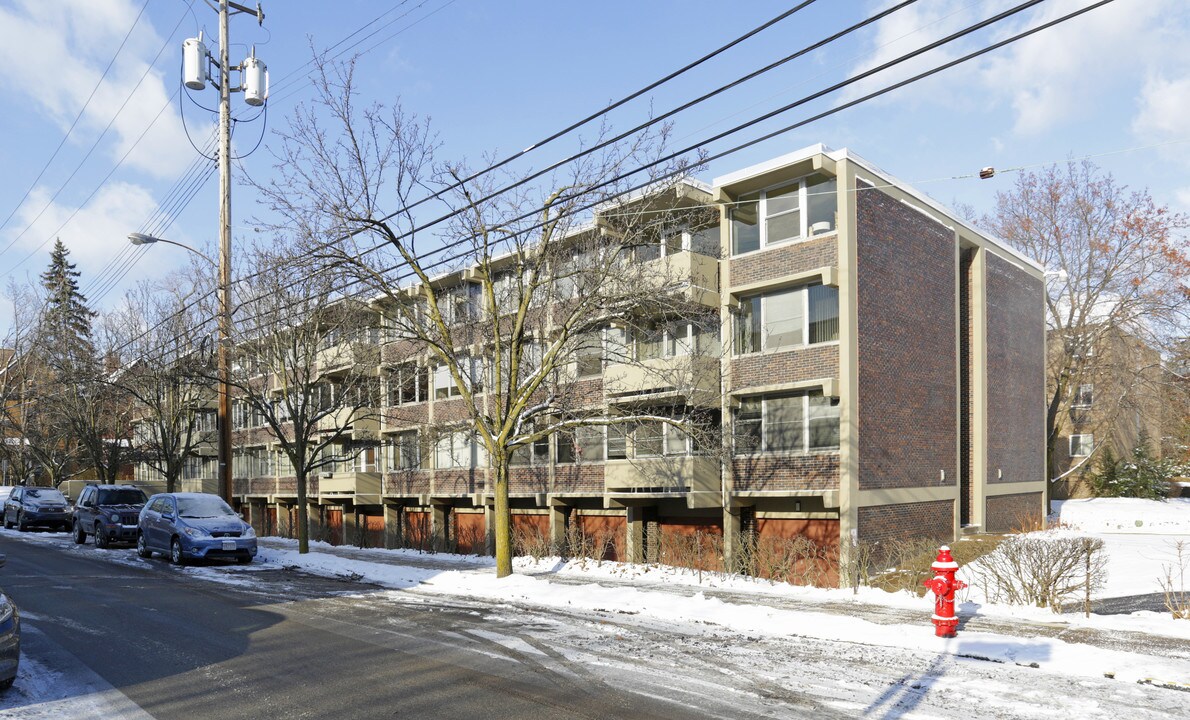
(783, 214)
(1081, 445)
(408, 384)
(787, 319)
(404, 453)
(1084, 396)
(458, 449)
(795, 423)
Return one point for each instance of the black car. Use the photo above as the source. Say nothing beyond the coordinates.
(108, 513)
(10, 638)
(36, 507)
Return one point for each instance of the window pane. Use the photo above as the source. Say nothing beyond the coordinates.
(617, 346)
(648, 342)
(782, 200)
(617, 446)
(705, 241)
(564, 446)
(783, 424)
(589, 354)
(821, 205)
(647, 439)
(783, 319)
(706, 338)
(589, 443)
(824, 422)
(783, 228)
(747, 426)
(673, 244)
(677, 340)
(824, 313)
(747, 326)
(745, 232)
(675, 441)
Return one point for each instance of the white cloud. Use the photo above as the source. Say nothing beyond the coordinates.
(94, 235)
(53, 53)
(1164, 105)
(1051, 79)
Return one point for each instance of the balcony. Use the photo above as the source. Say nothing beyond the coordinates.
(364, 422)
(694, 377)
(360, 487)
(347, 355)
(699, 273)
(200, 485)
(696, 477)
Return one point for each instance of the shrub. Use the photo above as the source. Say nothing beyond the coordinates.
(1140, 475)
(1042, 570)
(1173, 583)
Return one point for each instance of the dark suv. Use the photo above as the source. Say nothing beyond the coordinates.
(109, 513)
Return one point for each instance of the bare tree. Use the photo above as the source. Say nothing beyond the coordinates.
(1118, 295)
(170, 378)
(305, 368)
(520, 288)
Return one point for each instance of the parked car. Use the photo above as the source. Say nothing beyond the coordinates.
(36, 507)
(5, 491)
(10, 638)
(108, 513)
(193, 526)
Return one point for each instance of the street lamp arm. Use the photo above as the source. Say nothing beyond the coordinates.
(142, 239)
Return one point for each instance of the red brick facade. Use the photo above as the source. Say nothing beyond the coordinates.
(1016, 374)
(785, 260)
(809, 363)
(772, 472)
(1006, 513)
(908, 388)
(907, 520)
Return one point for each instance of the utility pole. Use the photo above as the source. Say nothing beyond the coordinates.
(254, 85)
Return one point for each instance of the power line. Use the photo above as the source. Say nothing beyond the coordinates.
(754, 141)
(94, 145)
(75, 122)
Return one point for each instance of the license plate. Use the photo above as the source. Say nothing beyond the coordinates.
(229, 544)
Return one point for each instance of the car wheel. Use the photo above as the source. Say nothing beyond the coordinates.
(7, 524)
(142, 547)
(21, 523)
(175, 552)
(100, 538)
(5, 684)
(80, 535)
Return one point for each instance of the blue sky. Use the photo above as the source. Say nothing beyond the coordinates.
(498, 76)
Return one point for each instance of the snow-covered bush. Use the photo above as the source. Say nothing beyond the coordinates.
(1173, 582)
(1042, 569)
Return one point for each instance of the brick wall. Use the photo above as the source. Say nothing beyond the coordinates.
(908, 424)
(933, 520)
(587, 477)
(785, 260)
(529, 480)
(1006, 513)
(458, 482)
(810, 363)
(1016, 372)
(407, 482)
(819, 471)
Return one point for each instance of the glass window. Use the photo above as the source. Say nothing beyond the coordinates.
(1084, 395)
(444, 384)
(404, 451)
(705, 241)
(783, 217)
(564, 447)
(748, 422)
(706, 337)
(823, 422)
(588, 354)
(821, 205)
(616, 347)
(824, 313)
(675, 440)
(783, 319)
(649, 341)
(647, 439)
(748, 326)
(1081, 445)
(783, 424)
(617, 445)
(677, 339)
(745, 229)
(588, 443)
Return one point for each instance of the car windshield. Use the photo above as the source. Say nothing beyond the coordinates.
(121, 497)
(203, 507)
(48, 495)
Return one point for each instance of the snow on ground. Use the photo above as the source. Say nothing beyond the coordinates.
(1127, 515)
(680, 598)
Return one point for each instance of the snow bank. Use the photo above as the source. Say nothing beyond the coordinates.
(1127, 515)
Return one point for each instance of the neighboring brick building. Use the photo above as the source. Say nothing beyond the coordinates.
(878, 373)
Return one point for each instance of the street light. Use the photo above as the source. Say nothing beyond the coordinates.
(224, 410)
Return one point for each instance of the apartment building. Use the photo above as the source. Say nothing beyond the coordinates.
(868, 367)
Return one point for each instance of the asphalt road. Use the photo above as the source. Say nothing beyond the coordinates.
(288, 645)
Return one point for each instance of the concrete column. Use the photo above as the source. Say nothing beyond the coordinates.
(558, 515)
(394, 516)
(634, 545)
(732, 539)
(440, 527)
(351, 525)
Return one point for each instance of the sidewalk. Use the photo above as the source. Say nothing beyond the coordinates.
(416, 572)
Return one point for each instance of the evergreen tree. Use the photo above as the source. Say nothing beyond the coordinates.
(66, 325)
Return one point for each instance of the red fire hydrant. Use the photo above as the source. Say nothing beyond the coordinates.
(944, 586)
